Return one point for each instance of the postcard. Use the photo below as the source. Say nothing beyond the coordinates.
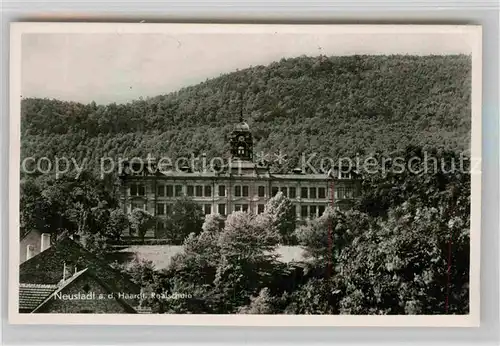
(245, 174)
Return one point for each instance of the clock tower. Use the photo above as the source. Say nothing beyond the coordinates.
(241, 142)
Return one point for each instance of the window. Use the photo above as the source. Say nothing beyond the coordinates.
(190, 190)
(303, 192)
(160, 209)
(241, 151)
(260, 208)
(274, 191)
(208, 191)
(199, 191)
(208, 209)
(178, 190)
(168, 209)
(262, 191)
(237, 191)
(321, 192)
(237, 207)
(245, 191)
(312, 192)
(137, 190)
(142, 190)
(292, 192)
(312, 210)
(321, 210)
(303, 211)
(284, 191)
(244, 208)
(222, 209)
(345, 175)
(170, 190)
(161, 190)
(349, 192)
(222, 190)
(340, 193)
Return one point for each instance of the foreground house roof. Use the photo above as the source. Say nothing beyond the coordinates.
(32, 295)
(46, 268)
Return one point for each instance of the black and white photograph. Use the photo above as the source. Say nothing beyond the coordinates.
(245, 174)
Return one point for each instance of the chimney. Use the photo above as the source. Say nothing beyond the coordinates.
(30, 251)
(45, 242)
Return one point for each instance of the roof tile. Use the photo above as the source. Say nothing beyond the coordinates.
(32, 295)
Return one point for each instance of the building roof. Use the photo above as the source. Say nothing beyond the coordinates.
(47, 267)
(32, 295)
(59, 288)
(78, 275)
(242, 127)
(245, 169)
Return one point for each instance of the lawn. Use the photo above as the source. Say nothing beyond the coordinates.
(161, 255)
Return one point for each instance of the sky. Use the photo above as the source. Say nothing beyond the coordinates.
(112, 67)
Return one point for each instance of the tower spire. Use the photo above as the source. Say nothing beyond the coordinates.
(241, 107)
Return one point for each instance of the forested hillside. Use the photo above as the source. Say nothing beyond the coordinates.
(335, 106)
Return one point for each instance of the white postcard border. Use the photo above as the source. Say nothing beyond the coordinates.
(474, 34)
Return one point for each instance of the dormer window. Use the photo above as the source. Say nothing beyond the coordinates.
(345, 175)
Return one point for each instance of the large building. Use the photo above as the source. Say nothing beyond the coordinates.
(240, 184)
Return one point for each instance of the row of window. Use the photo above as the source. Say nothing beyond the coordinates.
(241, 151)
(241, 191)
(311, 210)
(305, 210)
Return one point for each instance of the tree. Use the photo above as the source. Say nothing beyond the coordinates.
(192, 272)
(223, 269)
(261, 304)
(400, 266)
(282, 213)
(214, 223)
(187, 217)
(141, 271)
(140, 222)
(392, 256)
(315, 296)
(70, 205)
(118, 224)
(35, 211)
(423, 182)
(325, 237)
(248, 259)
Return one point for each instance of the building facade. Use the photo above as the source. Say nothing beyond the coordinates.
(239, 185)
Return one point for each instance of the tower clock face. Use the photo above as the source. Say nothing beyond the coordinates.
(241, 138)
